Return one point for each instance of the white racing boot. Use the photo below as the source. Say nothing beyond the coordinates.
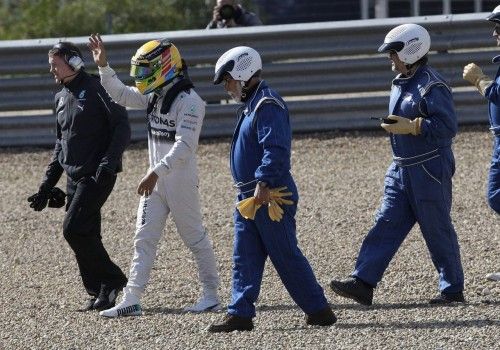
(129, 306)
(208, 302)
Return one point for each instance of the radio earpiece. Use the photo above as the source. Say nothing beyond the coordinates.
(75, 62)
(71, 54)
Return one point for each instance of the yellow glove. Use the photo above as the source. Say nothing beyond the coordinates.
(474, 75)
(275, 211)
(275, 199)
(248, 208)
(276, 195)
(403, 125)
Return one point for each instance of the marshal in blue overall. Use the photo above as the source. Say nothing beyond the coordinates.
(418, 183)
(260, 163)
(490, 89)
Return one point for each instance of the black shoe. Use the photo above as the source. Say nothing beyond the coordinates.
(232, 323)
(353, 288)
(107, 297)
(447, 298)
(89, 305)
(324, 317)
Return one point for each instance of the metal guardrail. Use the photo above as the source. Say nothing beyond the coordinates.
(329, 72)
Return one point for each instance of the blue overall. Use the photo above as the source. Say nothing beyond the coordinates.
(492, 93)
(418, 185)
(260, 151)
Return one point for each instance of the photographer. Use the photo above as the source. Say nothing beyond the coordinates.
(227, 14)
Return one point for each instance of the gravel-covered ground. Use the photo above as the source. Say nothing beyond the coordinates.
(340, 177)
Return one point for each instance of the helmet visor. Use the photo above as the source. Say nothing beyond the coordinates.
(393, 46)
(140, 71)
(225, 68)
(494, 17)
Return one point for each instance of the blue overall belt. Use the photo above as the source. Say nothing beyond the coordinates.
(245, 187)
(495, 130)
(403, 162)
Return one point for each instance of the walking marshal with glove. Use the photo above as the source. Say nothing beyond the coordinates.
(418, 182)
(265, 215)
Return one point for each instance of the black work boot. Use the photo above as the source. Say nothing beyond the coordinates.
(324, 317)
(232, 323)
(447, 298)
(354, 288)
(107, 297)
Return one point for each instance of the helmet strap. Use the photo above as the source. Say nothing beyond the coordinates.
(412, 68)
(244, 89)
(408, 69)
(169, 84)
(179, 84)
(249, 87)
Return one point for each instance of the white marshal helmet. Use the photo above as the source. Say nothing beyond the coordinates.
(495, 15)
(410, 41)
(241, 63)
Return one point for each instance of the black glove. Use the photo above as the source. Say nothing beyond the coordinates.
(104, 176)
(39, 200)
(57, 198)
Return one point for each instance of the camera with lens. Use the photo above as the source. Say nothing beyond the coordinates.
(227, 12)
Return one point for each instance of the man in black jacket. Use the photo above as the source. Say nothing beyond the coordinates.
(92, 133)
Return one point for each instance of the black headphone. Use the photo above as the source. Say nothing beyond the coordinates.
(70, 53)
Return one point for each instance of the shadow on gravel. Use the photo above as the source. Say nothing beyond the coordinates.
(408, 306)
(164, 310)
(421, 325)
(395, 325)
(276, 307)
(357, 307)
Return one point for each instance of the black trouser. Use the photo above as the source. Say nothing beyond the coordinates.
(82, 230)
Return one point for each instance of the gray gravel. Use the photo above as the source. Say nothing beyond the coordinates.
(339, 176)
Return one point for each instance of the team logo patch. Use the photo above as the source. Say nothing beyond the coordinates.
(242, 55)
(411, 41)
(82, 94)
(144, 211)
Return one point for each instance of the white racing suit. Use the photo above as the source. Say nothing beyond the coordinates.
(172, 142)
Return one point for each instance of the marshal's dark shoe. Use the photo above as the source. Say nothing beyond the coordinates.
(353, 288)
(447, 298)
(107, 296)
(324, 317)
(89, 305)
(232, 323)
